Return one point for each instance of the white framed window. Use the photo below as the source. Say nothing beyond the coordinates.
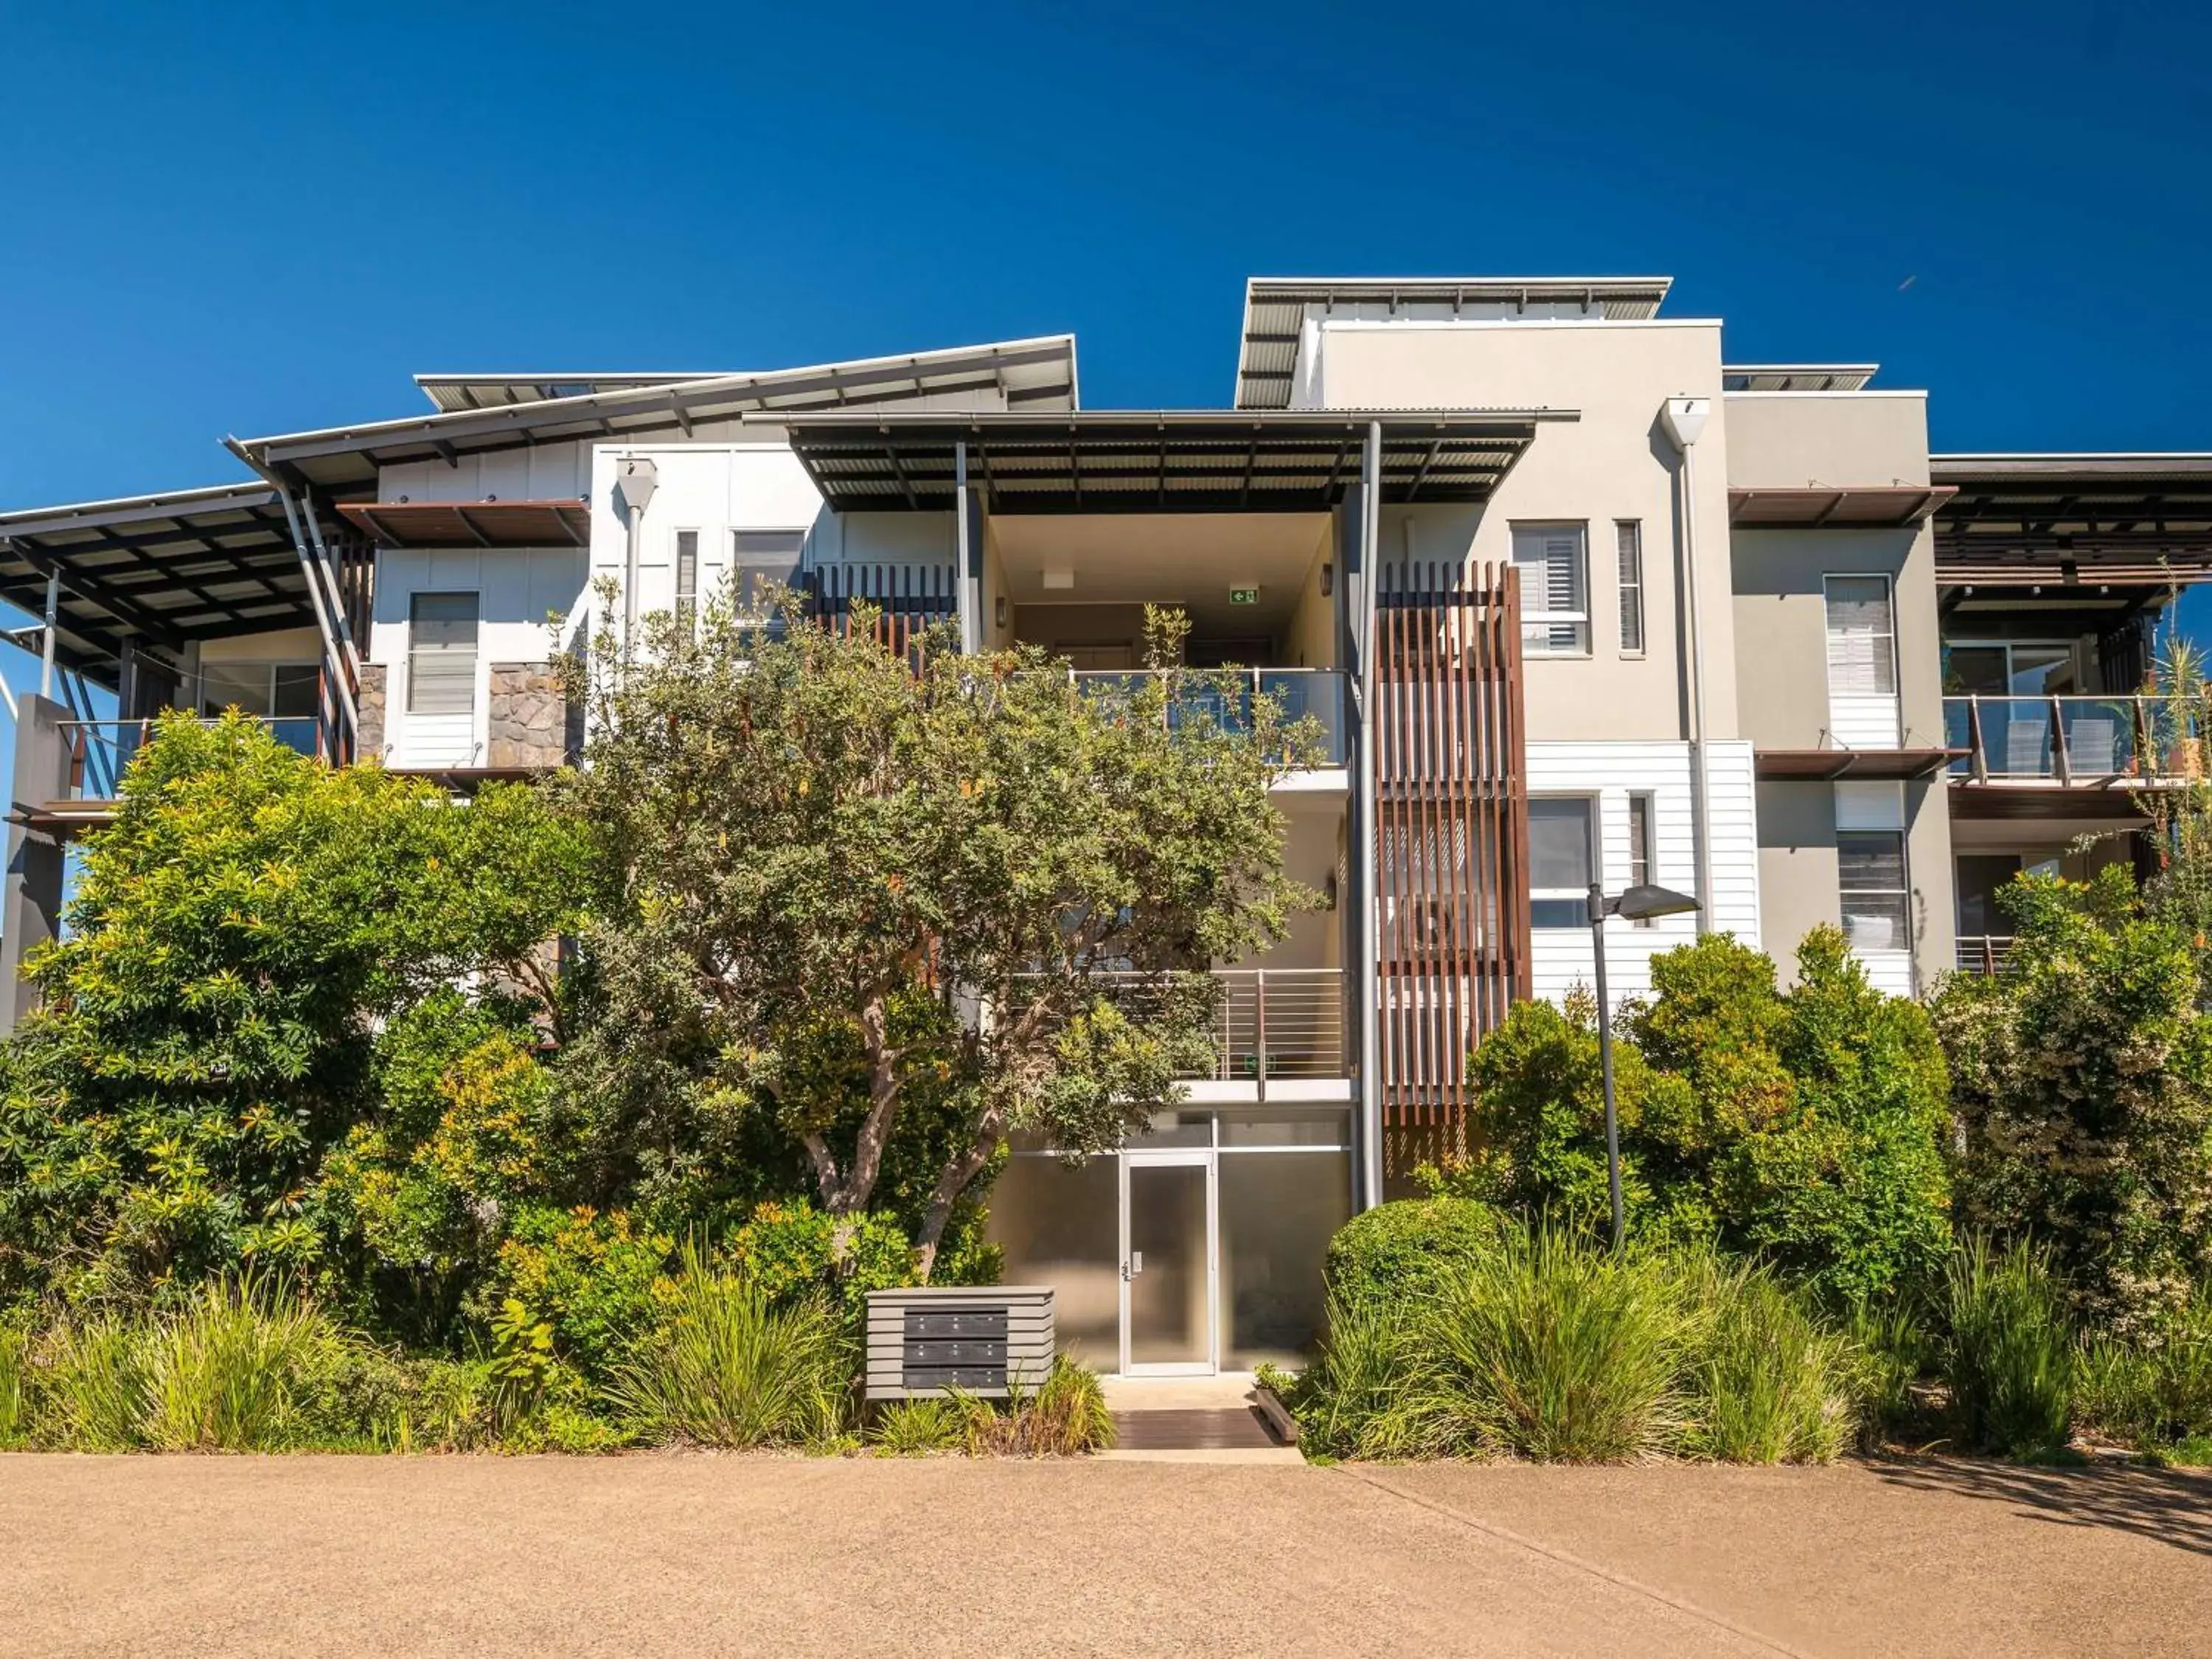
(1862, 637)
(1628, 546)
(441, 654)
(1873, 879)
(760, 561)
(1562, 857)
(1641, 855)
(687, 576)
(1553, 560)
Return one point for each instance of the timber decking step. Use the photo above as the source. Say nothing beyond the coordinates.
(1237, 1428)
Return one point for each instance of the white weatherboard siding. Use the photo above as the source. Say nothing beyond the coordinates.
(712, 489)
(1611, 772)
(1862, 722)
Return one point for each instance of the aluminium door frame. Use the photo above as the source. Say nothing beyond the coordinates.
(1200, 1158)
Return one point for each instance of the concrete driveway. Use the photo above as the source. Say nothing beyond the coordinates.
(796, 1556)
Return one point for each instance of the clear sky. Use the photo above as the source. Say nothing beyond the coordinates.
(254, 218)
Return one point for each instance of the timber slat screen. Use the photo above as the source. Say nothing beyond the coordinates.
(911, 598)
(1451, 840)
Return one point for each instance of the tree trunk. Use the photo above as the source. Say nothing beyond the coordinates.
(951, 1181)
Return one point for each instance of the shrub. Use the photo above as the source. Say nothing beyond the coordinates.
(1395, 1247)
(238, 1368)
(910, 1428)
(1065, 1417)
(1891, 1350)
(788, 1249)
(15, 1385)
(2156, 1392)
(590, 1277)
(2010, 1360)
(728, 1366)
(1769, 1384)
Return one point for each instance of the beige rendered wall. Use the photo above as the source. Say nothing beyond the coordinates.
(1798, 872)
(997, 636)
(1796, 440)
(1309, 641)
(1614, 463)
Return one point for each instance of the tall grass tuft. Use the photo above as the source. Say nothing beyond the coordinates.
(1891, 1350)
(15, 1385)
(1769, 1384)
(913, 1428)
(1065, 1417)
(2010, 1359)
(91, 1385)
(2154, 1392)
(240, 1367)
(725, 1366)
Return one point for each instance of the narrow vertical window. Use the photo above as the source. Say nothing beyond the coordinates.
(1639, 846)
(687, 576)
(1560, 859)
(1553, 560)
(1628, 535)
(1875, 899)
(441, 654)
(1862, 637)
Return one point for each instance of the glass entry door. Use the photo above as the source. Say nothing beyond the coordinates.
(1167, 1263)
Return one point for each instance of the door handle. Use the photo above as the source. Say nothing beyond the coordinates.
(1134, 1266)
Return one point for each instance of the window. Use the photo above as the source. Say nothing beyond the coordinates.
(687, 576)
(761, 560)
(1628, 535)
(1560, 861)
(441, 654)
(1870, 871)
(1554, 589)
(1861, 640)
(1639, 846)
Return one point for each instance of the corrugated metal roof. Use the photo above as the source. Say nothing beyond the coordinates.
(1038, 372)
(1158, 461)
(1796, 377)
(449, 394)
(163, 568)
(1276, 308)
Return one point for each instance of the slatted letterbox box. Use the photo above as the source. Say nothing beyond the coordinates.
(984, 1341)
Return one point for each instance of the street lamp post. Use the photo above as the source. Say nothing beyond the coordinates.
(1640, 903)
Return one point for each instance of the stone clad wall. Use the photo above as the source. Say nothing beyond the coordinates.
(529, 717)
(374, 681)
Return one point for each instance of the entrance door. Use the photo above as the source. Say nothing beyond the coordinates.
(1167, 1264)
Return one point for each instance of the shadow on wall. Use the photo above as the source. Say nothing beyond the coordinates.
(2172, 1506)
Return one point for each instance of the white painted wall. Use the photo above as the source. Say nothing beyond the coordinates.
(1612, 771)
(713, 488)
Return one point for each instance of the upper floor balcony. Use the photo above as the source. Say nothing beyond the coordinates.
(2083, 742)
(1227, 698)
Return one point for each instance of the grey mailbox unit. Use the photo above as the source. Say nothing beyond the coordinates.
(985, 1339)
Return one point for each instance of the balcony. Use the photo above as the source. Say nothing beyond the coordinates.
(1274, 1026)
(100, 750)
(1985, 953)
(2086, 742)
(1296, 692)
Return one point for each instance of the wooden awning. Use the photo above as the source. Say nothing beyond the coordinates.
(473, 524)
(1879, 507)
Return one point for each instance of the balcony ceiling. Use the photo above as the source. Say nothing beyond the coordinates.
(162, 570)
(2074, 521)
(473, 524)
(1158, 461)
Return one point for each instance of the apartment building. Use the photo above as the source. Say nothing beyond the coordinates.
(1574, 599)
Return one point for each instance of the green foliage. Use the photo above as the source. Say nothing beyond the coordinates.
(914, 1428)
(2082, 1085)
(1530, 1339)
(595, 1279)
(790, 1253)
(1803, 1127)
(726, 1366)
(15, 1385)
(1892, 1350)
(1065, 1416)
(205, 1032)
(1393, 1249)
(2010, 1357)
(812, 840)
(2154, 1392)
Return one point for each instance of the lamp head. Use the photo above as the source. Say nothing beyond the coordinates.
(1643, 902)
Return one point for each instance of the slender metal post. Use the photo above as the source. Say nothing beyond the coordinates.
(1260, 1017)
(47, 642)
(1605, 1062)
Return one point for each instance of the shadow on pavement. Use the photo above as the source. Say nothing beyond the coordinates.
(2172, 1506)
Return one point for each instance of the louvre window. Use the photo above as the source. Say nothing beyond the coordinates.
(687, 576)
(1560, 859)
(441, 654)
(1553, 560)
(761, 561)
(1628, 535)
(1639, 846)
(1870, 871)
(1862, 637)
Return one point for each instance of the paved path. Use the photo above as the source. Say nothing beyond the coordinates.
(799, 1557)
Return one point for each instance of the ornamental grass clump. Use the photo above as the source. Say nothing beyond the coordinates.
(1768, 1384)
(726, 1366)
(2010, 1358)
(15, 1385)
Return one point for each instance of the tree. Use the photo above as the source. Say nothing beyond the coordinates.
(2083, 1085)
(1806, 1127)
(856, 891)
(206, 1032)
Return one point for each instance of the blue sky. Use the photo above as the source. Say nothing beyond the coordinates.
(257, 218)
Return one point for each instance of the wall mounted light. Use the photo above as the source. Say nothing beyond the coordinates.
(1327, 579)
(999, 610)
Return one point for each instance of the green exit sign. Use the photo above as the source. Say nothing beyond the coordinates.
(1243, 596)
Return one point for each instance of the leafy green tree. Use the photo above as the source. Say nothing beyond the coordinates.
(206, 1032)
(1805, 1126)
(854, 891)
(2082, 1085)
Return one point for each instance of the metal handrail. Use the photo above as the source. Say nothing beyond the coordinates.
(2095, 741)
(101, 751)
(1298, 692)
(1272, 1023)
(1985, 953)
